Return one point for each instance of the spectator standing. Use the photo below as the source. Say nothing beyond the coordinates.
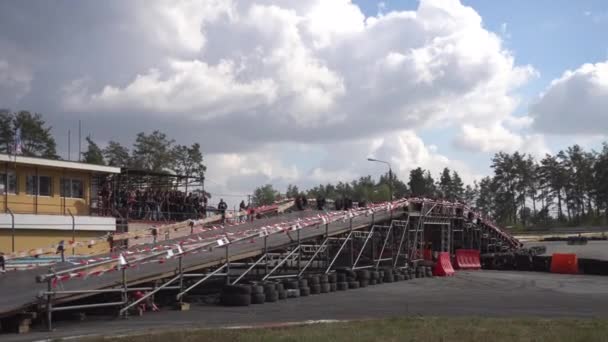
(221, 207)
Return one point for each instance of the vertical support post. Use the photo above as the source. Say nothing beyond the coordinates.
(181, 278)
(352, 244)
(12, 228)
(73, 231)
(265, 254)
(125, 294)
(328, 244)
(49, 303)
(227, 265)
(6, 186)
(299, 253)
(36, 188)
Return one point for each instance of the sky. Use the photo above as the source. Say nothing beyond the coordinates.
(304, 91)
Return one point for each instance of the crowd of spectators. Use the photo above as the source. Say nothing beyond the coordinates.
(153, 205)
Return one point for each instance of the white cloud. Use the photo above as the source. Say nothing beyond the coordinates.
(318, 65)
(248, 79)
(575, 103)
(496, 137)
(15, 80)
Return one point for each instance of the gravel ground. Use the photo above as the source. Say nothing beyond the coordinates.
(478, 293)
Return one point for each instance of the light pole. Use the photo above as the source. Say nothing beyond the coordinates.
(390, 174)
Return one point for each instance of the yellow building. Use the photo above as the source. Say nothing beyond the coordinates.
(45, 201)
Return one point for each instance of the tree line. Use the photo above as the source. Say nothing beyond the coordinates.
(568, 188)
(151, 152)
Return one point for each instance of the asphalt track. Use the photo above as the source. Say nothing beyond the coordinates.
(473, 293)
(19, 289)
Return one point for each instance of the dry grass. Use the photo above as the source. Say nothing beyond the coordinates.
(399, 329)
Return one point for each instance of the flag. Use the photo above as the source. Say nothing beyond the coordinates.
(122, 261)
(17, 143)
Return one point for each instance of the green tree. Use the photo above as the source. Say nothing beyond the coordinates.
(36, 138)
(117, 155)
(292, 191)
(188, 162)
(264, 195)
(429, 185)
(445, 184)
(93, 154)
(417, 182)
(153, 152)
(456, 187)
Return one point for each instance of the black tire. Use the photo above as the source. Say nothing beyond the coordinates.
(280, 287)
(315, 289)
(304, 291)
(340, 277)
(333, 278)
(333, 287)
(235, 299)
(293, 293)
(347, 271)
(314, 280)
(363, 275)
(342, 286)
(353, 285)
(303, 283)
(324, 279)
(292, 285)
(375, 275)
(236, 289)
(257, 289)
(429, 271)
(282, 294)
(373, 282)
(325, 287)
(272, 297)
(364, 283)
(258, 298)
(270, 287)
(399, 277)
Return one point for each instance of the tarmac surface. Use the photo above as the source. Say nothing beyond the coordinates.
(468, 293)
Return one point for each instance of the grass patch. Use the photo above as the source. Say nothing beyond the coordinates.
(398, 329)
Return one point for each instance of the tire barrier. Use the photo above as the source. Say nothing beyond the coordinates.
(443, 267)
(236, 295)
(467, 259)
(523, 262)
(342, 286)
(593, 266)
(564, 263)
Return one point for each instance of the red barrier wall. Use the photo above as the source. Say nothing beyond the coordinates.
(443, 267)
(564, 263)
(467, 259)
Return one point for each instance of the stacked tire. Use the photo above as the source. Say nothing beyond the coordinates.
(333, 282)
(364, 277)
(325, 284)
(236, 295)
(314, 282)
(257, 294)
(270, 292)
(292, 288)
(389, 276)
(304, 289)
(342, 283)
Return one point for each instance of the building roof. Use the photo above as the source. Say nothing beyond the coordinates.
(62, 164)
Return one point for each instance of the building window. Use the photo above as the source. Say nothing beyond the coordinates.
(11, 185)
(41, 185)
(72, 187)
